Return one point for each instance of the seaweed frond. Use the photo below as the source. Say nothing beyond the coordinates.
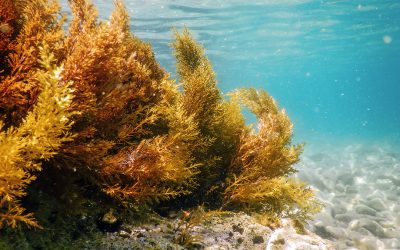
(219, 121)
(39, 136)
(259, 174)
(32, 24)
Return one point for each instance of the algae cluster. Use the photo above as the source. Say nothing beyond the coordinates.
(90, 120)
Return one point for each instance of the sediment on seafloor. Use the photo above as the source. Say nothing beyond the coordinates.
(360, 187)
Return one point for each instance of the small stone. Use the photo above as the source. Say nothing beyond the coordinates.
(320, 230)
(109, 222)
(257, 239)
(109, 217)
(346, 179)
(238, 229)
(124, 234)
(338, 209)
(397, 220)
(336, 232)
(344, 217)
(351, 190)
(340, 188)
(326, 217)
(392, 244)
(392, 233)
(370, 243)
(376, 204)
(383, 184)
(362, 209)
(372, 226)
(280, 241)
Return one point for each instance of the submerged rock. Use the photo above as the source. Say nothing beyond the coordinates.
(369, 225)
(369, 243)
(362, 209)
(336, 232)
(287, 238)
(377, 204)
(233, 231)
(109, 222)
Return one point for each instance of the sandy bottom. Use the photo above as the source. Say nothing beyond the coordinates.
(360, 186)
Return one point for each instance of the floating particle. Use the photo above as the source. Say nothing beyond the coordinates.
(387, 39)
(341, 94)
(358, 79)
(308, 74)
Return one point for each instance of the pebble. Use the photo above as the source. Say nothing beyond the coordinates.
(377, 204)
(370, 243)
(344, 217)
(383, 184)
(336, 232)
(392, 243)
(369, 225)
(346, 179)
(397, 220)
(338, 209)
(362, 209)
(361, 190)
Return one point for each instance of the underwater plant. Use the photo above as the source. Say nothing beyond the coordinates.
(92, 100)
(38, 137)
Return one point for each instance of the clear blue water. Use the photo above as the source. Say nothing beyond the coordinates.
(333, 65)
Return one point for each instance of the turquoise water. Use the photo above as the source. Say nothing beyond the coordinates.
(333, 65)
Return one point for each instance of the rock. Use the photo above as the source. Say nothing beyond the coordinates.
(325, 218)
(392, 196)
(320, 184)
(287, 238)
(346, 218)
(377, 204)
(369, 243)
(124, 234)
(338, 209)
(238, 229)
(346, 178)
(397, 220)
(392, 233)
(392, 243)
(258, 239)
(351, 190)
(383, 184)
(320, 230)
(109, 222)
(336, 232)
(369, 225)
(362, 209)
(340, 188)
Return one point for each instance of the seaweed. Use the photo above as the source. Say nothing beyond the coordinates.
(92, 105)
(38, 137)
